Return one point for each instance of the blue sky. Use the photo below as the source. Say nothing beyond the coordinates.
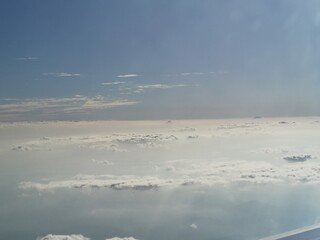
(90, 60)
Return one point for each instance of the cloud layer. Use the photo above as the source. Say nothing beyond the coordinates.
(188, 173)
(67, 105)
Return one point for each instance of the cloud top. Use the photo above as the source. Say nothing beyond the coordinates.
(193, 173)
(63, 237)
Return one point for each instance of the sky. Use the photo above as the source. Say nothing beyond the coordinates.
(181, 59)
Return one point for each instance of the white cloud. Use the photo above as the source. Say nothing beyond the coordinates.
(60, 105)
(194, 226)
(62, 74)
(193, 172)
(27, 58)
(113, 83)
(112, 142)
(63, 237)
(128, 75)
(125, 238)
(77, 237)
(191, 73)
(160, 86)
(142, 88)
(124, 182)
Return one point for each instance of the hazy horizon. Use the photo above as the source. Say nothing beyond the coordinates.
(100, 60)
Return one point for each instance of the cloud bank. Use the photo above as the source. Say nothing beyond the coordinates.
(193, 173)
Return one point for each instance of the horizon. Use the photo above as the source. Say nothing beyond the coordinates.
(101, 60)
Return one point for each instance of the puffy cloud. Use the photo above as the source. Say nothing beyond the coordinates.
(77, 237)
(191, 173)
(113, 142)
(124, 182)
(63, 237)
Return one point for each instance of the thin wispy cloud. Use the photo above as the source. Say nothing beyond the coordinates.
(128, 75)
(62, 74)
(26, 58)
(192, 73)
(113, 83)
(142, 88)
(76, 104)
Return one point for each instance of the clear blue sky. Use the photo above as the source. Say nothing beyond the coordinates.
(165, 59)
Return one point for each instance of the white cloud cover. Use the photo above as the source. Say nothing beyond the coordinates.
(63, 237)
(129, 75)
(62, 74)
(193, 172)
(111, 142)
(124, 182)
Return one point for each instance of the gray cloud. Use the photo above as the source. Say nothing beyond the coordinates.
(301, 158)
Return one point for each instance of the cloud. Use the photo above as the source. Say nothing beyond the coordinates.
(142, 88)
(113, 83)
(124, 182)
(77, 104)
(113, 142)
(26, 58)
(301, 158)
(126, 238)
(62, 74)
(63, 237)
(192, 73)
(129, 75)
(77, 237)
(192, 172)
(194, 226)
